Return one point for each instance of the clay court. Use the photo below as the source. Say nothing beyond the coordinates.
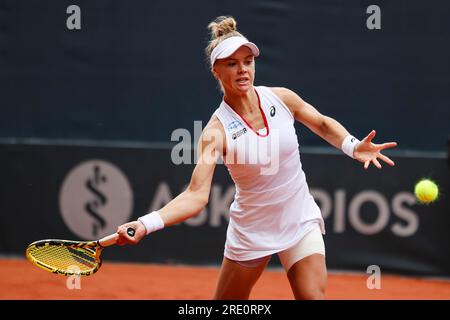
(21, 280)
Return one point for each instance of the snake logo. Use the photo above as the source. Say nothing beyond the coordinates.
(95, 197)
(101, 200)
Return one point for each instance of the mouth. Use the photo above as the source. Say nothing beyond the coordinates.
(243, 81)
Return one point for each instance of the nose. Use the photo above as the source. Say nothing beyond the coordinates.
(242, 67)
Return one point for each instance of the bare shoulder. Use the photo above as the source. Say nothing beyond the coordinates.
(280, 91)
(290, 98)
(213, 133)
(284, 93)
(214, 124)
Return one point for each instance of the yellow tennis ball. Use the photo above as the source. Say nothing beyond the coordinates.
(426, 191)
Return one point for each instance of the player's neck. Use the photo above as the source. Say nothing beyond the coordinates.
(243, 104)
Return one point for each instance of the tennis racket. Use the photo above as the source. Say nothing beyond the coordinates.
(70, 257)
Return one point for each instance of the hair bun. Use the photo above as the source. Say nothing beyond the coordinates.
(221, 26)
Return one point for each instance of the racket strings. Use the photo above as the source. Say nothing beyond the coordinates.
(65, 258)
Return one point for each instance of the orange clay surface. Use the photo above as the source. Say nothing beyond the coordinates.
(19, 279)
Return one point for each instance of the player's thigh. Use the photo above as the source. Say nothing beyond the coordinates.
(308, 277)
(236, 281)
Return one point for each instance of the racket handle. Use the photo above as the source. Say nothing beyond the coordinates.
(112, 238)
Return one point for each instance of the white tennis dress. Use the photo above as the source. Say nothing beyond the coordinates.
(272, 208)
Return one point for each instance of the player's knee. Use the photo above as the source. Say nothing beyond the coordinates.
(310, 291)
(312, 294)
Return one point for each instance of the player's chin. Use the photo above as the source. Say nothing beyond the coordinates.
(243, 89)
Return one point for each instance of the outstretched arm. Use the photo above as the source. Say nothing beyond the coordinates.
(332, 131)
(193, 200)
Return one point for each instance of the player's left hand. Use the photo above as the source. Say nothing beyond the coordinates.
(367, 152)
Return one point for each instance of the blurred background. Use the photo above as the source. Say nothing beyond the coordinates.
(91, 93)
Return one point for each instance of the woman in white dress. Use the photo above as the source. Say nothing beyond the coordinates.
(273, 211)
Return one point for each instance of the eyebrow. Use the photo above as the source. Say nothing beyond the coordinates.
(250, 55)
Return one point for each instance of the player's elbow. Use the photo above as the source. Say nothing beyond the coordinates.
(202, 201)
(198, 204)
(199, 199)
(323, 125)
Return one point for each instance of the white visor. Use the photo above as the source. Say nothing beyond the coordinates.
(229, 46)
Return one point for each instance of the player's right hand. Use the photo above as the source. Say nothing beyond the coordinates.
(125, 238)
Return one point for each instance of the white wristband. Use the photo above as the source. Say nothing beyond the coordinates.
(349, 144)
(152, 222)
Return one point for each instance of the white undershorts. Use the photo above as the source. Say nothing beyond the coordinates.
(310, 244)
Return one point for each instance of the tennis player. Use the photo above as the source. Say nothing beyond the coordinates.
(273, 211)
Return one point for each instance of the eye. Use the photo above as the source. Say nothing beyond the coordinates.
(248, 62)
(231, 63)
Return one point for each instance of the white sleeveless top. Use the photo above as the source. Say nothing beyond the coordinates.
(272, 208)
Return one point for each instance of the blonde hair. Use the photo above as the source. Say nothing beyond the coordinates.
(221, 28)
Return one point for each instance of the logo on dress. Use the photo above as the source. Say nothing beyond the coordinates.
(234, 125)
(272, 111)
(239, 133)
